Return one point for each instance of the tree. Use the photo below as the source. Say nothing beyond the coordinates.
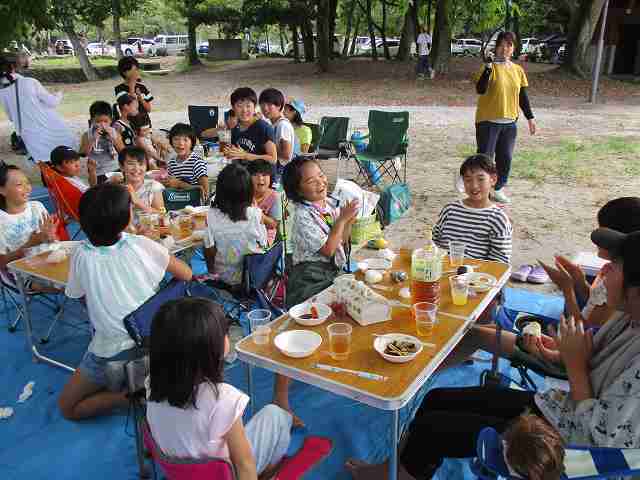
(441, 51)
(584, 18)
(409, 30)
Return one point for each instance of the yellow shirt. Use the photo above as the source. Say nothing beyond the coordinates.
(502, 98)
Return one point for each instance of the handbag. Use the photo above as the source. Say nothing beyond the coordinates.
(394, 202)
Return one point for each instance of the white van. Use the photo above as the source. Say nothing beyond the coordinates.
(171, 44)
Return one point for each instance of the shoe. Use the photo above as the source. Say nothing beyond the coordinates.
(432, 74)
(421, 76)
(500, 197)
(538, 275)
(522, 273)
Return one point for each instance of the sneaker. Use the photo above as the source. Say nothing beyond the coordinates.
(538, 275)
(522, 273)
(500, 197)
(421, 76)
(432, 74)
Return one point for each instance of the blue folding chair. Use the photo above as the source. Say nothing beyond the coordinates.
(581, 463)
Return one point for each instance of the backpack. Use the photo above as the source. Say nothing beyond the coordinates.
(394, 202)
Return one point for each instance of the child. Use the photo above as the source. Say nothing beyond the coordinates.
(101, 142)
(116, 273)
(66, 161)
(191, 412)
(265, 197)
(128, 106)
(188, 168)
(320, 231)
(476, 221)
(146, 194)
(144, 140)
(129, 69)
(294, 111)
(252, 138)
(271, 104)
(25, 226)
(533, 449)
(235, 227)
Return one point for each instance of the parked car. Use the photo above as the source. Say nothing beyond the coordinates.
(466, 46)
(528, 44)
(548, 50)
(96, 49)
(64, 47)
(203, 48)
(171, 44)
(337, 46)
(139, 47)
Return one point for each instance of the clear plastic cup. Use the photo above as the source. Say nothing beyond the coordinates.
(459, 289)
(259, 319)
(339, 340)
(425, 314)
(456, 253)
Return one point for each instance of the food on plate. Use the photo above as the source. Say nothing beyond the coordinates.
(462, 270)
(400, 348)
(313, 314)
(373, 276)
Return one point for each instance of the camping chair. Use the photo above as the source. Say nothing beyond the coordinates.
(315, 136)
(176, 199)
(580, 463)
(201, 118)
(138, 325)
(332, 142)
(387, 146)
(65, 196)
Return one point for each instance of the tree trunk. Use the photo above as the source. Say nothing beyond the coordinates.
(429, 15)
(307, 38)
(354, 40)
(408, 32)
(296, 46)
(323, 40)
(516, 30)
(387, 55)
(192, 52)
(372, 34)
(283, 39)
(350, 11)
(115, 7)
(507, 15)
(583, 24)
(85, 64)
(441, 38)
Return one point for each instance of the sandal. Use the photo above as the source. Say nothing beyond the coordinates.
(522, 273)
(538, 275)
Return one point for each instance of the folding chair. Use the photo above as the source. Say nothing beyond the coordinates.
(315, 136)
(175, 199)
(263, 278)
(65, 196)
(388, 143)
(580, 463)
(332, 141)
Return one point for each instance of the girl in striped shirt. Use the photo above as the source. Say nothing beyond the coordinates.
(188, 169)
(479, 223)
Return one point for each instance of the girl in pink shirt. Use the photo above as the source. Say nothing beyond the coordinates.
(191, 412)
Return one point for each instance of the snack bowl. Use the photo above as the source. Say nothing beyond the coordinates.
(302, 310)
(381, 342)
(481, 282)
(297, 343)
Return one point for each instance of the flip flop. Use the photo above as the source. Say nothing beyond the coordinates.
(538, 275)
(522, 273)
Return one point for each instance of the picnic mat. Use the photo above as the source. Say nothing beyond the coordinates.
(38, 443)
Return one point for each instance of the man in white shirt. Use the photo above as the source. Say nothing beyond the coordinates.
(424, 47)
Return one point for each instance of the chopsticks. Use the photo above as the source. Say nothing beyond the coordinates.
(357, 373)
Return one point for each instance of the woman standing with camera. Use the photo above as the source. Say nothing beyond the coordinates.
(502, 86)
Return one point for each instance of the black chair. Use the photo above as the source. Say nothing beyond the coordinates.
(202, 117)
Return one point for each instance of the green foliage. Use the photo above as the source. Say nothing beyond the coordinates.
(19, 17)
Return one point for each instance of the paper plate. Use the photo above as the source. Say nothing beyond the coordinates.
(298, 343)
(481, 282)
(324, 312)
(381, 342)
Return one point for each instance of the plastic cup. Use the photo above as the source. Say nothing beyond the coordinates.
(459, 289)
(185, 225)
(456, 253)
(259, 319)
(339, 340)
(146, 221)
(425, 315)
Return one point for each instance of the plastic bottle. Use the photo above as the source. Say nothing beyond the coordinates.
(426, 270)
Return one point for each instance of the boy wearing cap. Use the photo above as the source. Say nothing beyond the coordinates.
(294, 111)
(66, 161)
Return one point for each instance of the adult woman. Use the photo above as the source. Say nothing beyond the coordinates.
(502, 86)
(601, 408)
(36, 121)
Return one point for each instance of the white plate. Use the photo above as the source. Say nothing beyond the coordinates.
(375, 264)
(297, 343)
(380, 343)
(481, 282)
(324, 311)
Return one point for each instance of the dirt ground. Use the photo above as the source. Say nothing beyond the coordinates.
(552, 211)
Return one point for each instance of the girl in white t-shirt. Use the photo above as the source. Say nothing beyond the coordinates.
(234, 226)
(25, 226)
(115, 273)
(191, 412)
(146, 193)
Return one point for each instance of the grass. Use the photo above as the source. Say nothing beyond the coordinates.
(575, 159)
(71, 62)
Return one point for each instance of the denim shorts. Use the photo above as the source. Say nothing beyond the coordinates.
(108, 372)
